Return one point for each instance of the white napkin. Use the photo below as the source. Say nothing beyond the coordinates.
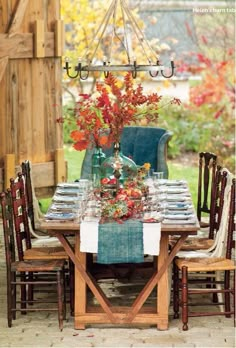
(89, 236)
(151, 238)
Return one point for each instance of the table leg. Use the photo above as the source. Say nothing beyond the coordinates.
(165, 260)
(80, 287)
(163, 286)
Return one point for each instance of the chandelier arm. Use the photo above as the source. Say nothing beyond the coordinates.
(138, 31)
(67, 68)
(126, 43)
(103, 25)
(172, 70)
(83, 76)
(153, 74)
(113, 32)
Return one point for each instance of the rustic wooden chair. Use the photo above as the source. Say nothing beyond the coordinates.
(206, 177)
(23, 236)
(199, 242)
(205, 266)
(28, 272)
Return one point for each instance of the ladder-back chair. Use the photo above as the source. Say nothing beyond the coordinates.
(28, 274)
(209, 268)
(199, 242)
(23, 236)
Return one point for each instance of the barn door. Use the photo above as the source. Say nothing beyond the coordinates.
(30, 90)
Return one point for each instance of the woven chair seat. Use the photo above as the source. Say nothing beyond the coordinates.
(45, 253)
(205, 264)
(192, 244)
(38, 266)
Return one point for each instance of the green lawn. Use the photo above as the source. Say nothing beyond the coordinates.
(189, 173)
(176, 171)
(74, 161)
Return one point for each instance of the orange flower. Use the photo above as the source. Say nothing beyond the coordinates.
(101, 119)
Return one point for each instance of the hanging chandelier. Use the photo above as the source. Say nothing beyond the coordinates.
(88, 63)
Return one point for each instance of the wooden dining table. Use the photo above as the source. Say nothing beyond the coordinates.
(106, 313)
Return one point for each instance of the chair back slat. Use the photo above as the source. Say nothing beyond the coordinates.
(224, 212)
(217, 199)
(8, 228)
(20, 215)
(206, 177)
(231, 222)
(26, 171)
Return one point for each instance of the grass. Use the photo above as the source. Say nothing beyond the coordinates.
(74, 161)
(188, 173)
(176, 171)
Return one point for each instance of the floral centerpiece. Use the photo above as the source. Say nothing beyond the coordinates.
(102, 116)
(127, 202)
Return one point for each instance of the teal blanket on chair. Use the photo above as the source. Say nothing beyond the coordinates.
(120, 242)
(142, 144)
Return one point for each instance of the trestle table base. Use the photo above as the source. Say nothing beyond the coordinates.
(108, 314)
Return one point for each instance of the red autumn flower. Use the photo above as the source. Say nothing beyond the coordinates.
(102, 116)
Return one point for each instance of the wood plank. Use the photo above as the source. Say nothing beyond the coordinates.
(12, 109)
(101, 318)
(39, 39)
(52, 108)
(58, 102)
(80, 286)
(143, 295)
(1, 180)
(21, 45)
(35, 11)
(3, 65)
(26, 144)
(9, 167)
(163, 284)
(43, 174)
(90, 281)
(59, 38)
(7, 10)
(18, 17)
(18, 46)
(52, 11)
(60, 168)
(38, 111)
(4, 109)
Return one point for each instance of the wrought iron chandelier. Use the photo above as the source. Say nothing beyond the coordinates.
(87, 63)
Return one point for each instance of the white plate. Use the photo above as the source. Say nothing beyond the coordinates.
(179, 216)
(65, 199)
(68, 185)
(178, 206)
(59, 216)
(176, 190)
(177, 198)
(179, 222)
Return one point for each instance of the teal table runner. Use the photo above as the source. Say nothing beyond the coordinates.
(120, 242)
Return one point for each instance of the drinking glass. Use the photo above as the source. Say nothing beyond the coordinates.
(158, 175)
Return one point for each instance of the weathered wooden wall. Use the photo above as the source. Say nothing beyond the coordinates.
(31, 43)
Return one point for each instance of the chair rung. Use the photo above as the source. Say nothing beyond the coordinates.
(36, 301)
(205, 304)
(208, 291)
(35, 282)
(208, 314)
(33, 309)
